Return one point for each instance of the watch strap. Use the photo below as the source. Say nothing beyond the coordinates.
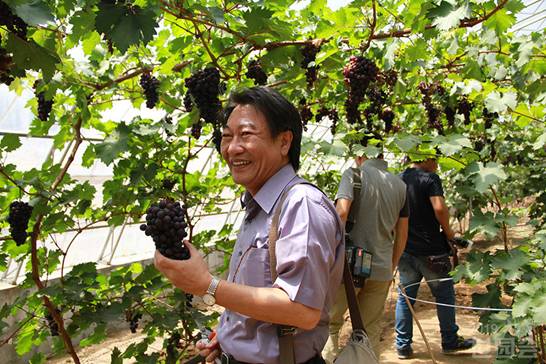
(213, 285)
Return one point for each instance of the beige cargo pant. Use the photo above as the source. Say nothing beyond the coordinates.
(371, 301)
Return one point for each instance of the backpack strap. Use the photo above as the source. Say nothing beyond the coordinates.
(355, 205)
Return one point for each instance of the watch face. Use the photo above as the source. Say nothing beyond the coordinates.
(209, 299)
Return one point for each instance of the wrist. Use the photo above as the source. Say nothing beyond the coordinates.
(203, 289)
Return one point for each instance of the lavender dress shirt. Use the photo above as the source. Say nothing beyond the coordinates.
(310, 256)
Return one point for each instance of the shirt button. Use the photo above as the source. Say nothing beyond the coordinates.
(240, 253)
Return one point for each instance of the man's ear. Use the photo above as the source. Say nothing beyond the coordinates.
(286, 141)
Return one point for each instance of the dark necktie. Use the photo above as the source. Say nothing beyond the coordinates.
(252, 209)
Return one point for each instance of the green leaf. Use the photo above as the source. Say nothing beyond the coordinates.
(484, 223)
(29, 55)
(38, 358)
(452, 144)
(521, 306)
(540, 142)
(257, 19)
(116, 357)
(113, 145)
(487, 176)
(98, 335)
(539, 309)
(25, 338)
(126, 26)
(34, 12)
(510, 263)
(452, 18)
(501, 21)
(489, 299)
(495, 102)
(10, 142)
(407, 143)
(88, 156)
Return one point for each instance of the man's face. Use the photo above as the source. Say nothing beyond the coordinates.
(252, 155)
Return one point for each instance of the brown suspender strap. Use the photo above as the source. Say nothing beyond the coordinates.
(287, 354)
(356, 318)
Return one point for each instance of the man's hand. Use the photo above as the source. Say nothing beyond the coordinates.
(191, 276)
(210, 350)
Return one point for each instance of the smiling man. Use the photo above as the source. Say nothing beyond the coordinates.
(261, 145)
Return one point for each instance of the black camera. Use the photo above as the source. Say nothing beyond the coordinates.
(461, 243)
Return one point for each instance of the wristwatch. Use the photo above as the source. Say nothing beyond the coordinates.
(209, 297)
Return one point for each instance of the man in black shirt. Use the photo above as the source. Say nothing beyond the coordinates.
(427, 254)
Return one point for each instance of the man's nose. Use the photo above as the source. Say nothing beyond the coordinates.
(234, 146)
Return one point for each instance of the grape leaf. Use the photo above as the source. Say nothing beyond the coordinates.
(489, 299)
(487, 175)
(34, 12)
(126, 26)
(539, 309)
(29, 55)
(452, 18)
(495, 102)
(510, 263)
(113, 145)
(521, 306)
(10, 142)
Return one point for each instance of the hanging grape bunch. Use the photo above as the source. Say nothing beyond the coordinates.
(19, 214)
(44, 105)
(150, 85)
(450, 115)
(465, 108)
(133, 318)
(168, 184)
(433, 113)
(488, 118)
(188, 103)
(390, 77)
(204, 87)
(53, 327)
(309, 53)
(358, 74)
(217, 139)
(329, 113)
(387, 115)
(256, 73)
(165, 223)
(6, 63)
(305, 112)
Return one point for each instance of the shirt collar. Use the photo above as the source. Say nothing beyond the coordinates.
(272, 189)
(376, 163)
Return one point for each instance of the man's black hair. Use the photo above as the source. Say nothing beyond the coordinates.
(281, 115)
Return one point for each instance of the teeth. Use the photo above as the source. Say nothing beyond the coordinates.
(238, 164)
